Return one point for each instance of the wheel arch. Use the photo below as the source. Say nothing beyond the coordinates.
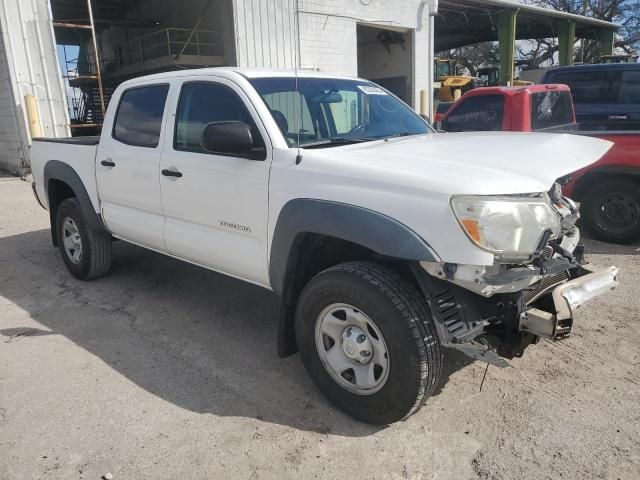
(312, 235)
(609, 172)
(61, 181)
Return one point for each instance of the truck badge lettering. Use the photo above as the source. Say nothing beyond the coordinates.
(234, 226)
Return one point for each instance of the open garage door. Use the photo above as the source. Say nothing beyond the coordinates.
(133, 38)
(385, 57)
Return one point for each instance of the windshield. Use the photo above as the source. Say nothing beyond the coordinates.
(328, 111)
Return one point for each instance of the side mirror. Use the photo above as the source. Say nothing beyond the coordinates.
(231, 137)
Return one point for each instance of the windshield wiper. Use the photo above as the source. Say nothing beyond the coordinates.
(400, 134)
(336, 142)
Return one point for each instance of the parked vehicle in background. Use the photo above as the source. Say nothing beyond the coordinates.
(384, 240)
(606, 96)
(440, 110)
(532, 108)
(608, 190)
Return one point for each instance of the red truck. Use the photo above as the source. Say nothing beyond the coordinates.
(608, 190)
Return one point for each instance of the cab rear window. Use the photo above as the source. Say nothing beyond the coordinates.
(551, 109)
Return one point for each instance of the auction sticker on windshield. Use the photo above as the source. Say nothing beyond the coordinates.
(371, 90)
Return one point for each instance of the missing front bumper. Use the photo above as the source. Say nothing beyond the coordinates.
(566, 298)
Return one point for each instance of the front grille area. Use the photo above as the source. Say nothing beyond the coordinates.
(547, 252)
(531, 293)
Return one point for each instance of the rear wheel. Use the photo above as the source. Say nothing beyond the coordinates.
(611, 211)
(85, 251)
(367, 339)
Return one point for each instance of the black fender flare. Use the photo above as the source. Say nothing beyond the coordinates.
(57, 170)
(373, 230)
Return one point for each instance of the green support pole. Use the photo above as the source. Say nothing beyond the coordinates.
(606, 41)
(507, 44)
(566, 41)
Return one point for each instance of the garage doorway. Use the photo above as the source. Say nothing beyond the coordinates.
(386, 57)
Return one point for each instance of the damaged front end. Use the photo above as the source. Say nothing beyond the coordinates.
(495, 312)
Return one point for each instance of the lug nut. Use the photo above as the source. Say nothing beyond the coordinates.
(361, 338)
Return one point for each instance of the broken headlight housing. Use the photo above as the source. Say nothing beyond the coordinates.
(513, 228)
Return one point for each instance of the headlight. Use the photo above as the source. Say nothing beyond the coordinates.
(510, 227)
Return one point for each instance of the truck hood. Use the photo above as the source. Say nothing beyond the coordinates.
(480, 163)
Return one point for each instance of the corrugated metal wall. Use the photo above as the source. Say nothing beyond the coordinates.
(12, 156)
(28, 50)
(265, 33)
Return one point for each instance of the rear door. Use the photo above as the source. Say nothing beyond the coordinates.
(624, 110)
(216, 205)
(591, 91)
(128, 161)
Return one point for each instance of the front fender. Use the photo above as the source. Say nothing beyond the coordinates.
(370, 229)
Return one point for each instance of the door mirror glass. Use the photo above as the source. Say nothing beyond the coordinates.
(230, 137)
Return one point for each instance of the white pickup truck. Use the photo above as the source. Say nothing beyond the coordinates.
(384, 240)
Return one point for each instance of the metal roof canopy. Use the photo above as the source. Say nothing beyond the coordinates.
(465, 22)
(105, 10)
(105, 13)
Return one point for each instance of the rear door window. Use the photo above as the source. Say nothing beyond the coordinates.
(482, 113)
(551, 109)
(586, 87)
(138, 120)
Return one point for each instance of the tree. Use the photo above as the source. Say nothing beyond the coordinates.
(626, 13)
(472, 57)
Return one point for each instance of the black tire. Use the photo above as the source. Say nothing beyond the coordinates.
(611, 211)
(402, 316)
(95, 259)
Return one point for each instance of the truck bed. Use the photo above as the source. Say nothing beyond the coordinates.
(78, 153)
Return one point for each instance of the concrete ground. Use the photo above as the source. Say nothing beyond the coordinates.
(163, 370)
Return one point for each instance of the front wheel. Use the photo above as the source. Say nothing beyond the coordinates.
(368, 341)
(611, 211)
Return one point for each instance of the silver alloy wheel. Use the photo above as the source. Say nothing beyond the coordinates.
(352, 349)
(72, 240)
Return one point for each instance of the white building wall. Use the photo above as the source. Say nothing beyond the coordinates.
(266, 37)
(29, 56)
(12, 155)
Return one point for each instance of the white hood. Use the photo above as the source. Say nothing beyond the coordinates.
(481, 163)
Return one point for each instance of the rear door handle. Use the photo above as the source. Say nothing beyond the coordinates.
(618, 117)
(171, 173)
(107, 163)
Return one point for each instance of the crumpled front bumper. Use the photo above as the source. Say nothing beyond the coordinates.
(566, 298)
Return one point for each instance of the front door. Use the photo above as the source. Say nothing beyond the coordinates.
(215, 205)
(127, 168)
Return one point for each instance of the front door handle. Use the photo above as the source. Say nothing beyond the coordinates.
(107, 163)
(171, 173)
